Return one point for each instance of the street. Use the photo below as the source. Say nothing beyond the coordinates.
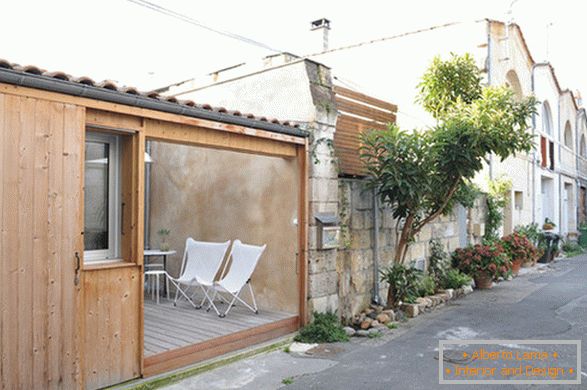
(548, 305)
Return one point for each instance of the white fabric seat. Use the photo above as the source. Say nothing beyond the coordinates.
(201, 262)
(244, 261)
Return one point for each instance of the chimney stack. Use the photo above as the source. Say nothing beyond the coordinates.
(324, 25)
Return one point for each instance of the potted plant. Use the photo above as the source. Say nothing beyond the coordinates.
(484, 262)
(548, 225)
(163, 243)
(520, 250)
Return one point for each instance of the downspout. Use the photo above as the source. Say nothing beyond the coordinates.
(489, 46)
(147, 198)
(557, 166)
(375, 298)
(533, 151)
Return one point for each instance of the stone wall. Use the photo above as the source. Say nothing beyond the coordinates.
(354, 262)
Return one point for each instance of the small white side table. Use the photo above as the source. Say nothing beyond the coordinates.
(154, 282)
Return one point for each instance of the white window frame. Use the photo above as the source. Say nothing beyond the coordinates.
(113, 252)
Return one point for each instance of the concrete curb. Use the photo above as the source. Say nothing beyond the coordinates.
(175, 376)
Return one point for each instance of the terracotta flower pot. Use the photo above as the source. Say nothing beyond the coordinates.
(483, 281)
(516, 265)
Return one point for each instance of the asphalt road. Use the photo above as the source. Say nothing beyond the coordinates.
(548, 305)
(552, 305)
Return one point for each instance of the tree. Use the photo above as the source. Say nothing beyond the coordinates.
(422, 174)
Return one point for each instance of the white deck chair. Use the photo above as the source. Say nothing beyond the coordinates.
(244, 261)
(201, 262)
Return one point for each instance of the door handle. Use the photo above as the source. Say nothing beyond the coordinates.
(78, 265)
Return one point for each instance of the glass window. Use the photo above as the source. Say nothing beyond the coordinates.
(101, 197)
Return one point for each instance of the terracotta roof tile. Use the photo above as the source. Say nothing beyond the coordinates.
(111, 85)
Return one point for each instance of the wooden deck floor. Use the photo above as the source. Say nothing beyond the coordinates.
(168, 327)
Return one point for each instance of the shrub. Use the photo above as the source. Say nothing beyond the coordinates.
(453, 279)
(572, 249)
(426, 286)
(531, 231)
(403, 283)
(325, 328)
(438, 262)
(488, 258)
(518, 248)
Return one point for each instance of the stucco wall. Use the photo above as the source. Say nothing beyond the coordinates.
(505, 56)
(215, 195)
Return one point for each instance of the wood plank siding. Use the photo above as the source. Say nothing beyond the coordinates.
(64, 327)
(357, 113)
(41, 154)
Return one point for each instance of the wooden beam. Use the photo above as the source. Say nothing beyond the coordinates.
(146, 113)
(348, 93)
(191, 354)
(184, 134)
(303, 232)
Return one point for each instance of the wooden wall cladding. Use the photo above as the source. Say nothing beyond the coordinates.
(112, 318)
(40, 175)
(357, 113)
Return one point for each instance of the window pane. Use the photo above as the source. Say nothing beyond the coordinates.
(97, 163)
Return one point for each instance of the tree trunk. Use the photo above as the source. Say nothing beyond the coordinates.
(402, 245)
(390, 298)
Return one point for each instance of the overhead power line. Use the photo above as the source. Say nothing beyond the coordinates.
(187, 19)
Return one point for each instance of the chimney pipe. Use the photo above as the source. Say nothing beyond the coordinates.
(324, 25)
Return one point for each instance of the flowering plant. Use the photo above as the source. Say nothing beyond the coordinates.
(519, 248)
(488, 258)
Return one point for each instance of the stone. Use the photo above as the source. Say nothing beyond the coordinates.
(467, 290)
(411, 309)
(372, 315)
(349, 331)
(383, 318)
(368, 311)
(366, 324)
(375, 324)
(390, 313)
(362, 333)
(301, 347)
(374, 331)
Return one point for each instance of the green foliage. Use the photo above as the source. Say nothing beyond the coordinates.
(446, 82)
(423, 174)
(391, 325)
(571, 249)
(531, 231)
(426, 286)
(438, 262)
(325, 328)
(163, 232)
(286, 349)
(403, 283)
(375, 335)
(497, 198)
(453, 278)
(288, 381)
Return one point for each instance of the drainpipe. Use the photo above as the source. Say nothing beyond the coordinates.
(489, 47)
(148, 199)
(558, 163)
(533, 151)
(375, 298)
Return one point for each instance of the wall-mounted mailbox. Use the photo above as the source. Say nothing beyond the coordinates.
(328, 231)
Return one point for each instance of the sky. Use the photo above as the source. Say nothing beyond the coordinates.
(133, 45)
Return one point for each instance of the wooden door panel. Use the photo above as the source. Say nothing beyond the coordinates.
(40, 179)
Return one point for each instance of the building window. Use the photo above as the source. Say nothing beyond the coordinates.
(513, 82)
(568, 135)
(546, 119)
(518, 200)
(101, 197)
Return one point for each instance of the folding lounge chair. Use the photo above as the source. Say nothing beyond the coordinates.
(244, 261)
(201, 262)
